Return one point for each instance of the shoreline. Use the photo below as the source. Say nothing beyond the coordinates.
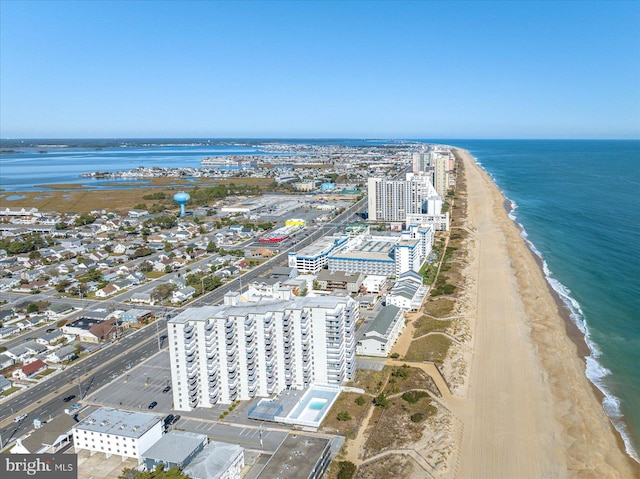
(585, 437)
(573, 331)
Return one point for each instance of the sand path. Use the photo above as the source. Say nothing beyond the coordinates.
(530, 412)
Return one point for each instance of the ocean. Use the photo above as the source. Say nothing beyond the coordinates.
(578, 203)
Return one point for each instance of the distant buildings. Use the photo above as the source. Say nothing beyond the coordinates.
(230, 352)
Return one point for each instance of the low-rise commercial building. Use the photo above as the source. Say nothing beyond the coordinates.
(117, 432)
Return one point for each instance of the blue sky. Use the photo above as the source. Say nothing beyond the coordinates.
(319, 69)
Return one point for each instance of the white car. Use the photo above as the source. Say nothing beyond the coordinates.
(19, 418)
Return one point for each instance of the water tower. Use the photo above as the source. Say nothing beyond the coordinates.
(181, 198)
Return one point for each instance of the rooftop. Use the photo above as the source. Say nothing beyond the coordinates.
(295, 458)
(175, 446)
(118, 422)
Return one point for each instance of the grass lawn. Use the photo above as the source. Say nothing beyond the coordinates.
(346, 402)
(11, 390)
(370, 380)
(425, 324)
(44, 373)
(395, 429)
(431, 348)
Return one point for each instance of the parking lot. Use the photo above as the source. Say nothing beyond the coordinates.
(137, 387)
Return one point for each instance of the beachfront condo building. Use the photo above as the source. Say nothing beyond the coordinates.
(441, 171)
(393, 200)
(238, 351)
(421, 162)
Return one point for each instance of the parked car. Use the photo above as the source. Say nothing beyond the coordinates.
(153, 404)
(76, 406)
(175, 419)
(168, 420)
(19, 418)
(51, 330)
(167, 389)
(69, 398)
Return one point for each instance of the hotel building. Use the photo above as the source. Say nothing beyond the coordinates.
(234, 351)
(393, 200)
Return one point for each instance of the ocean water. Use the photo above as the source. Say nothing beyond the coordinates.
(579, 205)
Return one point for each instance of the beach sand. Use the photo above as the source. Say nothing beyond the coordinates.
(530, 411)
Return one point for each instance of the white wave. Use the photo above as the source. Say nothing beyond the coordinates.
(594, 371)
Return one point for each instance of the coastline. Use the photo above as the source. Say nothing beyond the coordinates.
(537, 333)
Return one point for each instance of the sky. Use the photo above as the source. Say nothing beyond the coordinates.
(336, 69)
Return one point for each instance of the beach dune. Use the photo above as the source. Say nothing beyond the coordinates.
(530, 411)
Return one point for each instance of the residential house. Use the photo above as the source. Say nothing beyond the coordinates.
(143, 297)
(107, 291)
(5, 361)
(5, 384)
(30, 370)
(53, 436)
(62, 354)
(183, 294)
(50, 338)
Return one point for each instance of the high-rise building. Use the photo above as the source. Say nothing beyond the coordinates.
(234, 351)
(441, 174)
(393, 200)
(421, 162)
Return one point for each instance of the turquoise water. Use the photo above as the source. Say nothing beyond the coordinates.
(317, 405)
(579, 205)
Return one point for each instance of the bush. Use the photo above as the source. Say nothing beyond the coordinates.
(400, 373)
(346, 470)
(360, 400)
(418, 417)
(413, 397)
(381, 400)
(343, 416)
(394, 356)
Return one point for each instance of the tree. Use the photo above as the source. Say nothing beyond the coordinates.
(162, 291)
(145, 266)
(33, 308)
(62, 285)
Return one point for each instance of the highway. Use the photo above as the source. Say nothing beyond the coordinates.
(44, 400)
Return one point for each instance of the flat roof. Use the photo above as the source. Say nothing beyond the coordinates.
(322, 246)
(118, 422)
(295, 458)
(204, 313)
(175, 446)
(213, 460)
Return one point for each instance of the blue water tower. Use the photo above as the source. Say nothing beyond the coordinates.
(181, 198)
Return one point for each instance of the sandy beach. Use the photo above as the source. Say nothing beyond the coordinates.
(529, 410)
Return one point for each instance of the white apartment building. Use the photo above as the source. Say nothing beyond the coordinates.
(384, 255)
(117, 432)
(312, 258)
(440, 162)
(234, 351)
(393, 200)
